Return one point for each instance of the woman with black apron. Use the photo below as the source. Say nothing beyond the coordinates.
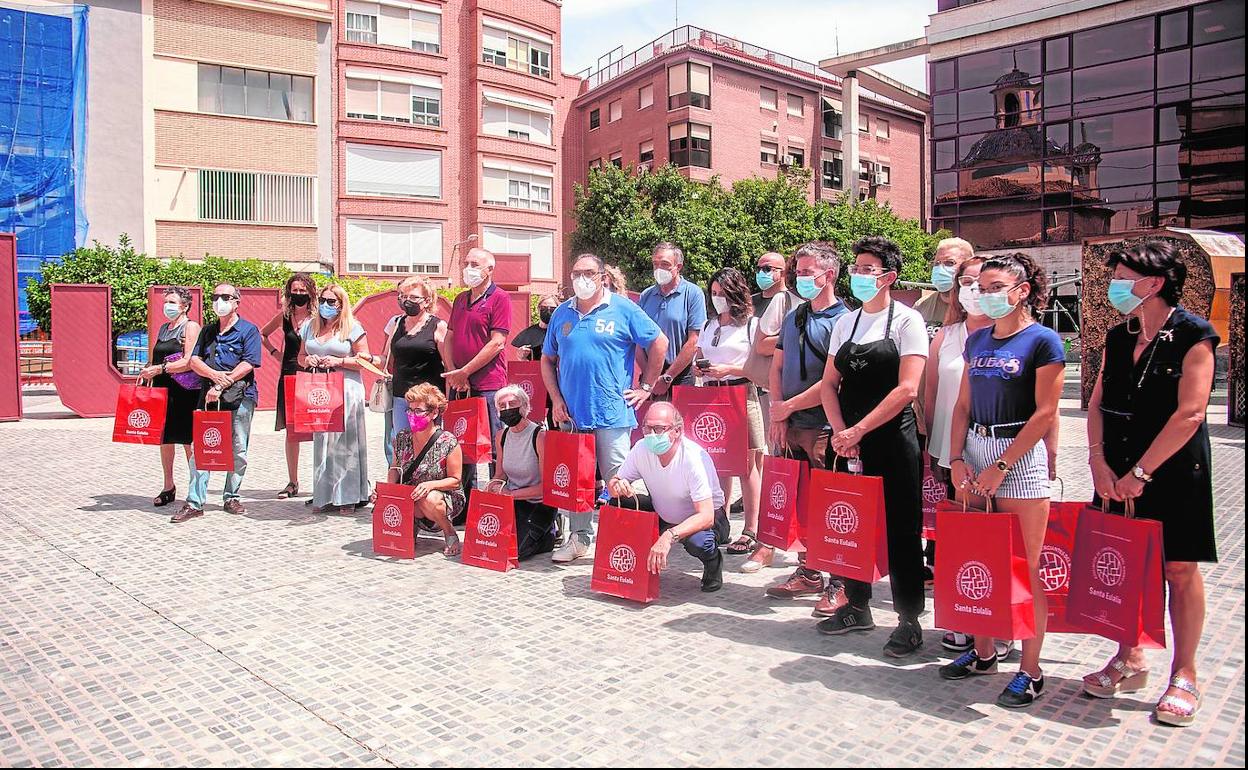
(868, 386)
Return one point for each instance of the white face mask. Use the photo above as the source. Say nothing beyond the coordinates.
(585, 288)
(663, 277)
(969, 297)
(223, 307)
(720, 303)
(473, 277)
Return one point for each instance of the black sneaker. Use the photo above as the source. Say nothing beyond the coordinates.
(713, 574)
(968, 664)
(906, 639)
(1021, 692)
(846, 619)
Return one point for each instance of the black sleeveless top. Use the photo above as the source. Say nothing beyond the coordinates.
(290, 347)
(415, 355)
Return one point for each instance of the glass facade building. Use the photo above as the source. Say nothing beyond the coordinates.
(1123, 127)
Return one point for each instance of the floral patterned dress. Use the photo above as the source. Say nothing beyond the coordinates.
(432, 467)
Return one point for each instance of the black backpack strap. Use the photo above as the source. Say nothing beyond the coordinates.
(536, 434)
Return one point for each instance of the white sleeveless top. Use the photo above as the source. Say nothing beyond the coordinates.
(949, 368)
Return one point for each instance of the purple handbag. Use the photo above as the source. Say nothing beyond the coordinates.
(188, 380)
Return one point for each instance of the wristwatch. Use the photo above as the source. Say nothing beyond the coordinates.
(1139, 473)
(647, 387)
(667, 379)
(675, 537)
(1003, 466)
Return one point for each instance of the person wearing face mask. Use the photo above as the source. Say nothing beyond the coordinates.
(683, 490)
(679, 309)
(772, 303)
(170, 368)
(1006, 405)
(935, 307)
(416, 350)
(480, 323)
(520, 450)
(870, 381)
(1148, 443)
(587, 365)
(226, 355)
(429, 458)
(334, 340)
(798, 426)
(296, 309)
(528, 343)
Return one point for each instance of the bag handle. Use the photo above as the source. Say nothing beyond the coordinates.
(1129, 507)
(1062, 484)
(836, 456)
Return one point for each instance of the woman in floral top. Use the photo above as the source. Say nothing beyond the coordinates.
(429, 458)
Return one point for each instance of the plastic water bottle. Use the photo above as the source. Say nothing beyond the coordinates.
(854, 465)
(604, 497)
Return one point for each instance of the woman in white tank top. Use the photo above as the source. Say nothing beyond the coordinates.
(945, 363)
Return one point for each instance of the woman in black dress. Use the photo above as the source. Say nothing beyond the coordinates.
(296, 310)
(170, 355)
(1149, 445)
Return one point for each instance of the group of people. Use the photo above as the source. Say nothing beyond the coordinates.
(970, 377)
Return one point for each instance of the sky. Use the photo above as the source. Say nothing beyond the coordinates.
(803, 29)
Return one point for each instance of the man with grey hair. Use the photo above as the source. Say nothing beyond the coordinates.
(683, 490)
(679, 308)
(950, 253)
(477, 333)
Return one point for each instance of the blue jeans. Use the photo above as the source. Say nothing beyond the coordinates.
(703, 545)
(611, 447)
(387, 435)
(241, 425)
(496, 425)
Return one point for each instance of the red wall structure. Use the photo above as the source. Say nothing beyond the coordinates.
(10, 385)
(155, 312)
(82, 349)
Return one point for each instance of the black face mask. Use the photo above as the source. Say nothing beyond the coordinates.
(411, 308)
(299, 300)
(545, 313)
(510, 417)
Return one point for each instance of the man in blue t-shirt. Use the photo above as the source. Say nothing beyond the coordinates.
(679, 308)
(587, 364)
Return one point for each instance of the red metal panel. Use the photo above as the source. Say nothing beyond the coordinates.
(155, 309)
(82, 343)
(521, 319)
(372, 313)
(511, 270)
(258, 306)
(10, 374)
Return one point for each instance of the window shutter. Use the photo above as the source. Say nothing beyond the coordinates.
(494, 119)
(494, 185)
(394, 246)
(677, 83)
(393, 171)
(699, 132)
(394, 27)
(361, 97)
(700, 79)
(396, 101)
(427, 245)
(362, 243)
(426, 28)
(494, 39)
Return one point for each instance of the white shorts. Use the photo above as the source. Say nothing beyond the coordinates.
(1028, 479)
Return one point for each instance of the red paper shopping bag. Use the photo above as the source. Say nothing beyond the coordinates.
(715, 419)
(319, 403)
(140, 414)
(288, 384)
(394, 521)
(1116, 579)
(846, 533)
(568, 467)
(783, 497)
(1055, 563)
(469, 420)
(490, 532)
(982, 582)
(528, 375)
(625, 537)
(933, 493)
(213, 439)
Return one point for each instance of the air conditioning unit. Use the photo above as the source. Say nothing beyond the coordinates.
(792, 160)
(877, 179)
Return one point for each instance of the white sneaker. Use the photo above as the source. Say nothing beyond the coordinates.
(570, 551)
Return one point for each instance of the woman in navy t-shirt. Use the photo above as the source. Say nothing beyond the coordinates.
(1006, 406)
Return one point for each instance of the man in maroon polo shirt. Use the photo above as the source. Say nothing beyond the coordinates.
(480, 323)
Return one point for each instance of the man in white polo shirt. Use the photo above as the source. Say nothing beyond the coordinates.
(684, 491)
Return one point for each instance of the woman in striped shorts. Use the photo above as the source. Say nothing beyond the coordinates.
(1006, 406)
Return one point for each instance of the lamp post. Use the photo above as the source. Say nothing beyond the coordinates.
(450, 268)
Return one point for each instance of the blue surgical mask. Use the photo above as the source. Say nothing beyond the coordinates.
(864, 287)
(997, 304)
(328, 312)
(806, 287)
(764, 280)
(1122, 295)
(659, 443)
(172, 310)
(942, 277)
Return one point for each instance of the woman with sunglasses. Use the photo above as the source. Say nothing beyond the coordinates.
(296, 309)
(334, 340)
(1006, 406)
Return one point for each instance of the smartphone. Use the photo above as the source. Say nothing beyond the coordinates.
(702, 363)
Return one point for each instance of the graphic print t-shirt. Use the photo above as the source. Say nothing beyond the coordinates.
(1003, 372)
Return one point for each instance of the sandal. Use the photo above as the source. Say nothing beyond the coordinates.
(1185, 710)
(290, 490)
(1102, 684)
(762, 557)
(743, 545)
(165, 497)
(452, 547)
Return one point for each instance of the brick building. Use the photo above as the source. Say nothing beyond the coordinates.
(713, 105)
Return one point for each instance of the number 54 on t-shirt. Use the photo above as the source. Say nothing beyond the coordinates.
(604, 327)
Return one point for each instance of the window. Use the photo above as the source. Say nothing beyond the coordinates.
(689, 144)
(426, 32)
(417, 26)
(375, 246)
(832, 118)
(595, 119)
(865, 168)
(769, 153)
(796, 156)
(393, 97)
(393, 171)
(255, 197)
(796, 105)
(516, 186)
(617, 159)
(538, 244)
(259, 94)
(767, 98)
(881, 129)
(884, 175)
(645, 96)
(645, 153)
(689, 85)
(517, 117)
(615, 111)
(833, 170)
(595, 164)
(864, 124)
(361, 28)
(505, 45)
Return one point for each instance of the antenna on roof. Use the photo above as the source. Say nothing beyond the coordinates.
(836, 33)
(1015, 52)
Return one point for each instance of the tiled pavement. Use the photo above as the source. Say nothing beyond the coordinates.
(277, 638)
